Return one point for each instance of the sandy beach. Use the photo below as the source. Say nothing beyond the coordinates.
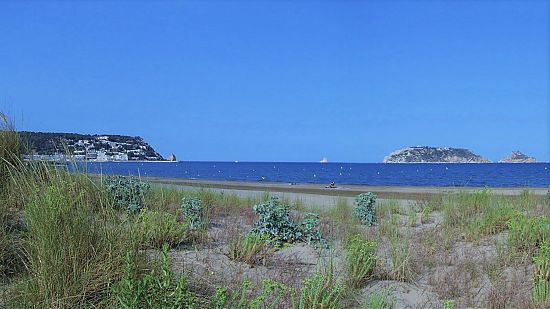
(316, 195)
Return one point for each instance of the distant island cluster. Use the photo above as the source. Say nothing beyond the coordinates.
(85, 147)
(426, 154)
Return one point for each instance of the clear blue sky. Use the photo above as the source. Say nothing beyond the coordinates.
(283, 81)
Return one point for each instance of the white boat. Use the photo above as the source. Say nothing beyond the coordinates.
(324, 160)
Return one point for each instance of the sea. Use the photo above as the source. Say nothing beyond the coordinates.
(498, 175)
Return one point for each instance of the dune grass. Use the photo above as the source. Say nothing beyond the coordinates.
(73, 245)
(360, 261)
(250, 248)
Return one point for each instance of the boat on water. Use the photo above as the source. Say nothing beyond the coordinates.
(324, 160)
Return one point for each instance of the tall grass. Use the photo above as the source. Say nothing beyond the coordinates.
(361, 260)
(400, 255)
(74, 244)
(153, 229)
(10, 148)
(251, 249)
(10, 159)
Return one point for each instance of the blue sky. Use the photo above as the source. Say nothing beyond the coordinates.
(283, 81)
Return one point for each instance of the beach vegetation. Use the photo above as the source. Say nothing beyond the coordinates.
(449, 304)
(425, 214)
(388, 208)
(274, 223)
(380, 300)
(526, 234)
(156, 289)
(73, 244)
(153, 229)
(251, 249)
(193, 212)
(360, 260)
(541, 289)
(321, 291)
(412, 219)
(128, 193)
(365, 208)
(401, 263)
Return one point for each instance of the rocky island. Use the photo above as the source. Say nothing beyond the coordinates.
(518, 157)
(426, 154)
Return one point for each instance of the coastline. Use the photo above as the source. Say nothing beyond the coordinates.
(386, 192)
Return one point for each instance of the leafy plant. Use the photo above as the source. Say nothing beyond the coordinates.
(274, 223)
(309, 228)
(193, 212)
(365, 208)
(158, 289)
(127, 192)
(360, 260)
(251, 249)
(155, 228)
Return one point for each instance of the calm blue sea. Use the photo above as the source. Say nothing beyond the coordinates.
(375, 174)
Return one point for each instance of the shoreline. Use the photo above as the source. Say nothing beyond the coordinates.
(392, 192)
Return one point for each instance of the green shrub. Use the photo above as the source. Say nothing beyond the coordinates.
(153, 229)
(127, 192)
(365, 208)
(251, 249)
(157, 289)
(360, 260)
(541, 291)
(274, 223)
(379, 301)
(321, 291)
(193, 212)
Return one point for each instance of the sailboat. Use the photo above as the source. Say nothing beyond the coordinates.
(324, 160)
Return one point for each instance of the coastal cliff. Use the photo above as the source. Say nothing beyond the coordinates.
(426, 154)
(518, 157)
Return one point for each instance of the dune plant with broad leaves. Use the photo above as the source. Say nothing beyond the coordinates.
(275, 223)
(193, 212)
(365, 208)
(127, 192)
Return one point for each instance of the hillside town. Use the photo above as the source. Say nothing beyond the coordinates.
(82, 147)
